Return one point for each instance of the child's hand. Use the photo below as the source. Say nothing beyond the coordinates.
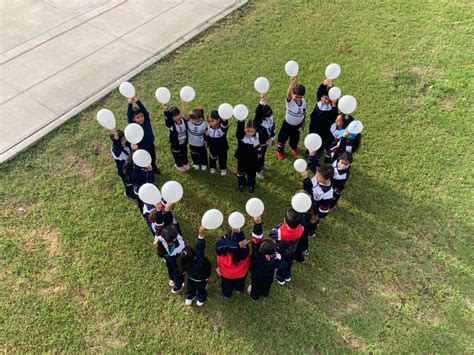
(236, 230)
(168, 206)
(201, 232)
(133, 146)
(258, 219)
(312, 153)
(243, 243)
(304, 174)
(149, 167)
(158, 206)
(346, 133)
(334, 103)
(328, 82)
(166, 107)
(293, 79)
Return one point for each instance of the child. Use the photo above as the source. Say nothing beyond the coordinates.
(233, 261)
(141, 117)
(308, 221)
(337, 128)
(320, 188)
(178, 138)
(197, 266)
(294, 119)
(216, 138)
(196, 130)
(323, 115)
(349, 142)
(264, 261)
(287, 236)
(341, 174)
(120, 151)
(247, 154)
(158, 217)
(170, 244)
(266, 130)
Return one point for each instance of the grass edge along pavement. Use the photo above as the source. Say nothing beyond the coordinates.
(76, 277)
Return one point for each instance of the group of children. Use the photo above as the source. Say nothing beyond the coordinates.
(268, 258)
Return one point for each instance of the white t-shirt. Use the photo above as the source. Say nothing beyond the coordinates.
(196, 133)
(294, 112)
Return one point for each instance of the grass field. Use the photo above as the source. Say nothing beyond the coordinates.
(392, 267)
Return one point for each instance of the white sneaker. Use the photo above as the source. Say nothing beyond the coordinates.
(288, 280)
(200, 304)
(312, 235)
(223, 172)
(261, 176)
(305, 253)
(280, 282)
(171, 282)
(177, 291)
(188, 302)
(196, 167)
(213, 171)
(203, 167)
(249, 289)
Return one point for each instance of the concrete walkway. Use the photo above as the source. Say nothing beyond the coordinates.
(59, 56)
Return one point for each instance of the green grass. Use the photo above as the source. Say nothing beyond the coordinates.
(392, 268)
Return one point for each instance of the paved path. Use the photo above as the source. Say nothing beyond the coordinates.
(59, 56)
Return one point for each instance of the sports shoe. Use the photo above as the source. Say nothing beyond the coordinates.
(171, 283)
(305, 253)
(199, 303)
(189, 302)
(187, 167)
(217, 272)
(288, 279)
(238, 291)
(280, 155)
(203, 167)
(177, 291)
(295, 152)
(266, 167)
(280, 282)
(213, 171)
(249, 289)
(223, 172)
(181, 168)
(260, 175)
(196, 167)
(241, 188)
(251, 189)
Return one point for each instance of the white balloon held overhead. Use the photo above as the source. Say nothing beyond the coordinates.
(300, 165)
(333, 70)
(312, 142)
(127, 90)
(141, 158)
(163, 95)
(212, 219)
(262, 85)
(172, 191)
(254, 207)
(236, 220)
(241, 112)
(301, 202)
(347, 104)
(106, 118)
(134, 133)
(355, 127)
(187, 94)
(291, 68)
(334, 93)
(225, 111)
(149, 193)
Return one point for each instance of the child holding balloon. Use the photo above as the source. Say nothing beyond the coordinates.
(266, 130)
(216, 138)
(247, 154)
(178, 137)
(196, 132)
(341, 168)
(170, 244)
(120, 151)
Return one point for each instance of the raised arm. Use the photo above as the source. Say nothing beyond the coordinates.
(144, 110)
(240, 132)
(289, 92)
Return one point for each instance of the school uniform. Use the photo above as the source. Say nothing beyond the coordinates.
(321, 195)
(140, 177)
(216, 139)
(338, 182)
(196, 140)
(148, 140)
(294, 119)
(178, 139)
(248, 150)
(322, 117)
(232, 274)
(170, 257)
(348, 144)
(266, 131)
(120, 154)
(262, 267)
(303, 242)
(287, 242)
(198, 274)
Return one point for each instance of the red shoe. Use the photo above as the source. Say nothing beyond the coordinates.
(295, 152)
(280, 155)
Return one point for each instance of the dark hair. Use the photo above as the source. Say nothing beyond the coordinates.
(214, 115)
(169, 234)
(292, 218)
(119, 133)
(237, 256)
(326, 171)
(128, 166)
(266, 111)
(268, 247)
(197, 113)
(355, 142)
(185, 258)
(136, 111)
(250, 124)
(299, 89)
(152, 216)
(346, 156)
(174, 111)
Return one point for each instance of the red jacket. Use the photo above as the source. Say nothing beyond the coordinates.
(229, 270)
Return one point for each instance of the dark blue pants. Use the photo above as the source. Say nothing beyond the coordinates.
(228, 285)
(173, 272)
(285, 273)
(302, 246)
(196, 288)
(260, 287)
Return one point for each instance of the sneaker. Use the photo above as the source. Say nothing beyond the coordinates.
(312, 235)
(187, 167)
(241, 188)
(251, 189)
(171, 282)
(199, 303)
(223, 172)
(260, 175)
(280, 282)
(288, 279)
(238, 291)
(173, 290)
(181, 168)
(280, 155)
(295, 152)
(266, 167)
(305, 253)
(203, 167)
(189, 302)
(196, 167)
(217, 271)
(249, 289)
(125, 194)
(213, 171)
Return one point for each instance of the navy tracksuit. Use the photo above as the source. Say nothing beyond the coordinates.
(198, 273)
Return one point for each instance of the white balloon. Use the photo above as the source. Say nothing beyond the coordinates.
(134, 133)
(225, 111)
(106, 118)
(141, 158)
(236, 220)
(262, 85)
(347, 104)
(172, 191)
(163, 95)
(334, 93)
(333, 70)
(301, 202)
(355, 127)
(241, 112)
(254, 207)
(127, 89)
(313, 141)
(212, 219)
(187, 94)
(300, 165)
(291, 68)
(149, 193)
